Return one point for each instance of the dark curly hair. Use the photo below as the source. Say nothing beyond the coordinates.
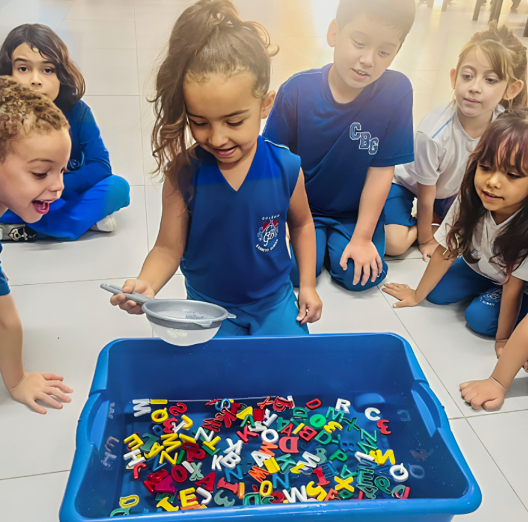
(22, 109)
(504, 147)
(48, 44)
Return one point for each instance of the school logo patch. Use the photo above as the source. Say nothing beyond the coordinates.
(268, 234)
(366, 141)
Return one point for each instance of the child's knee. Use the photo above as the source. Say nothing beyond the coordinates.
(120, 189)
(398, 239)
(346, 278)
(480, 320)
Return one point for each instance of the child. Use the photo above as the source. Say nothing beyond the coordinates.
(489, 394)
(35, 56)
(351, 122)
(491, 69)
(34, 151)
(488, 228)
(226, 200)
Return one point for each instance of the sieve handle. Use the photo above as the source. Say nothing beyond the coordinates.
(138, 298)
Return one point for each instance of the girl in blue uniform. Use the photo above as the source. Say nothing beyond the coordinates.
(227, 199)
(35, 56)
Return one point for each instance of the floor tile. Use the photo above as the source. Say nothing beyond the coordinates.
(65, 327)
(9, 23)
(108, 71)
(46, 497)
(96, 255)
(455, 352)
(119, 120)
(499, 501)
(504, 435)
(97, 34)
(117, 10)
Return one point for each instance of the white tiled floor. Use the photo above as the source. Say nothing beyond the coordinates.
(68, 319)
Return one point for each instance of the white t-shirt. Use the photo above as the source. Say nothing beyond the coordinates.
(441, 151)
(484, 238)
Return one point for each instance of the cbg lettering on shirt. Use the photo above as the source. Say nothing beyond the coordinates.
(337, 142)
(236, 249)
(484, 236)
(441, 148)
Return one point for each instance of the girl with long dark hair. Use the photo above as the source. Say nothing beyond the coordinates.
(483, 241)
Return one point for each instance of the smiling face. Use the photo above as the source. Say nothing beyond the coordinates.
(478, 88)
(502, 192)
(36, 71)
(225, 116)
(364, 49)
(31, 174)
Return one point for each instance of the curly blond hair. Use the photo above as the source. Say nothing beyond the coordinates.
(22, 109)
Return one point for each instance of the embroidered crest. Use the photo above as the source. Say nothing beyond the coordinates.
(268, 234)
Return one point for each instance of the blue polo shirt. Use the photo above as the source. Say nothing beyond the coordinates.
(338, 142)
(4, 287)
(236, 252)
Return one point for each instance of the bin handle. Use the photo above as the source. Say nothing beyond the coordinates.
(433, 413)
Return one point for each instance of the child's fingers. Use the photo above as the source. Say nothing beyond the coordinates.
(302, 313)
(493, 405)
(52, 377)
(57, 393)
(366, 274)
(525, 366)
(464, 385)
(60, 385)
(130, 286)
(36, 407)
(48, 399)
(374, 270)
(343, 263)
(379, 262)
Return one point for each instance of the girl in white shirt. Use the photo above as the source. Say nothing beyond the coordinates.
(483, 241)
(491, 70)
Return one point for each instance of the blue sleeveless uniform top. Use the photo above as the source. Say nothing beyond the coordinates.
(236, 251)
(4, 287)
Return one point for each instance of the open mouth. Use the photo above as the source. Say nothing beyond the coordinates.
(361, 73)
(41, 207)
(490, 196)
(225, 153)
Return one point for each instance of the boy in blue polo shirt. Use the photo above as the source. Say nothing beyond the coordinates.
(351, 123)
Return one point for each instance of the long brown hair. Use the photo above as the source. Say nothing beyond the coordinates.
(208, 38)
(48, 44)
(506, 54)
(505, 140)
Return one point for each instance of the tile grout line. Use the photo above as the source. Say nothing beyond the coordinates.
(498, 467)
(424, 356)
(36, 475)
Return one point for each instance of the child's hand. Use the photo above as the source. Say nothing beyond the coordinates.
(41, 386)
(404, 293)
(131, 286)
(310, 305)
(366, 260)
(427, 249)
(488, 394)
(499, 346)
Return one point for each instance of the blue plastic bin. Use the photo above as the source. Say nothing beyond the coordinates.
(378, 370)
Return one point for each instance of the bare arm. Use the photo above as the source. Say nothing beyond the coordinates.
(361, 249)
(512, 295)
(24, 387)
(426, 198)
(302, 237)
(436, 269)
(489, 394)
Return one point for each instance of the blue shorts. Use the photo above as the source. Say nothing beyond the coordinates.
(273, 315)
(4, 287)
(332, 237)
(398, 207)
(462, 282)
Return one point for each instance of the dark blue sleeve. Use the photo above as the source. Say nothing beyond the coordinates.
(4, 287)
(397, 146)
(96, 164)
(281, 127)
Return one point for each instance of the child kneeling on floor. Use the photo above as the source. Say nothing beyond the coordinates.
(483, 241)
(34, 151)
(35, 56)
(227, 199)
